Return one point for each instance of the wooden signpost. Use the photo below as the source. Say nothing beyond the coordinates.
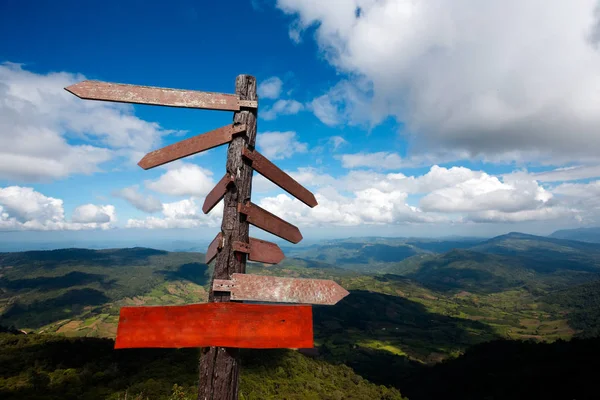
(224, 324)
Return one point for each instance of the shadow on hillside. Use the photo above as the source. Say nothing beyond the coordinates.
(366, 317)
(193, 272)
(74, 257)
(513, 370)
(391, 278)
(40, 313)
(454, 279)
(74, 278)
(548, 261)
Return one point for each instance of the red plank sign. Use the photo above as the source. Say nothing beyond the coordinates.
(255, 326)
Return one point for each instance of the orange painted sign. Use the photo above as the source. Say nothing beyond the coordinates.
(255, 326)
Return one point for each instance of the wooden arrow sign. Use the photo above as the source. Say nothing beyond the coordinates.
(260, 251)
(191, 146)
(213, 248)
(263, 219)
(157, 96)
(270, 171)
(217, 193)
(254, 326)
(281, 290)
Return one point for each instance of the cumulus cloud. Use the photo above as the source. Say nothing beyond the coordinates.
(280, 145)
(487, 193)
(180, 214)
(369, 206)
(270, 88)
(91, 213)
(456, 194)
(39, 120)
(184, 180)
(442, 195)
(146, 203)
(281, 107)
(459, 77)
(346, 102)
(23, 208)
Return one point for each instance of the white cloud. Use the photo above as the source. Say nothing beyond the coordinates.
(539, 214)
(369, 206)
(487, 193)
(184, 180)
(568, 174)
(180, 214)
(270, 88)
(456, 195)
(22, 208)
(500, 81)
(280, 145)
(436, 178)
(149, 204)
(380, 160)
(38, 119)
(337, 142)
(580, 190)
(344, 103)
(281, 107)
(91, 213)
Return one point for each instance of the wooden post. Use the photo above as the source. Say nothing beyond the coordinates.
(219, 367)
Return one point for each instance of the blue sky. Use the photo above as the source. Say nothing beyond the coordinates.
(424, 118)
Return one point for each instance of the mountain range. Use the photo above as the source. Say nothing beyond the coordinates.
(413, 302)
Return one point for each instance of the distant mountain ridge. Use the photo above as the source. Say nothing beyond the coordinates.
(582, 234)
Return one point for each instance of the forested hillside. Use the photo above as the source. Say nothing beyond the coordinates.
(400, 317)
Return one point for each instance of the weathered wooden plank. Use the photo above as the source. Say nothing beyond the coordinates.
(213, 248)
(219, 367)
(237, 325)
(263, 219)
(260, 251)
(217, 193)
(281, 290)
(157, 96)
(270, 171)
(193, 145)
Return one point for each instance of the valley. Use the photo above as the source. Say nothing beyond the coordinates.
(413, 303)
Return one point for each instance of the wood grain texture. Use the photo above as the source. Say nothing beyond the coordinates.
(219, 366)
(282, 290)
(273, 173)
(217, 193)
(213, 248)
(260, 251)
(271, 223)
(255, 326)
(193, 145)
(157, 96)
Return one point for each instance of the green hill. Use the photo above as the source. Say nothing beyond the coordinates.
(45, 367)
(544, 254)
(48, 289)
(591, 235)
(460, 270)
